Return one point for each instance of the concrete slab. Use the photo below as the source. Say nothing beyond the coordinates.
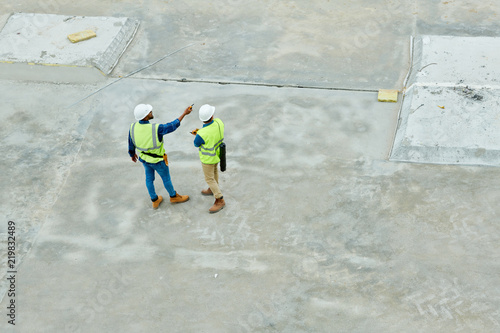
(449, 113)
(42, 39)
(455, 60)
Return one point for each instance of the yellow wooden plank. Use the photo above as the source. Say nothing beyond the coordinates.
(387, 95)
(82, 35)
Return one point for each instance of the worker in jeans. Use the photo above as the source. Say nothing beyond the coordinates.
(208, 140)
(148, 139)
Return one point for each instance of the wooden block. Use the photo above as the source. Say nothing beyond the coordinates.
(82, 35)
(386, 95)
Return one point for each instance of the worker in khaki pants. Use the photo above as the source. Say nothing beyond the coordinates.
(208, 140)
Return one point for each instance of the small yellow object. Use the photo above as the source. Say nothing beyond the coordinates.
(82, 35)
(387, 95)
(442, 107)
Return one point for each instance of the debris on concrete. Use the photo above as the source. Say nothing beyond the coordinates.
(470, 93)
(81, 36)
(459, 84)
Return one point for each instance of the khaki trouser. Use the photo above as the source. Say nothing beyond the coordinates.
(212, 178)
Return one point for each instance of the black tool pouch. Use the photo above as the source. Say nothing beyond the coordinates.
(222, 152)
(222, 149)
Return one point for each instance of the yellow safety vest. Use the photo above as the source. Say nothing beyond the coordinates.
(213, 135)
(145, 139)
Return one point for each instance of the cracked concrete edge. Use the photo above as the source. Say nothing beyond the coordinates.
(416, 59)
(257, 84)
(410, 67)
(403, 97)
(400, 128)
(109, 59)
(460, 155)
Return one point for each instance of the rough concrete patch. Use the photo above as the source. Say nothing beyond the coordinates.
(3, 19)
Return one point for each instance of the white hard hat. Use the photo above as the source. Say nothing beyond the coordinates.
(142, 110)
(206, 111)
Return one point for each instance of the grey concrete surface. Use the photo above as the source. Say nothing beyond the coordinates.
(321, 232)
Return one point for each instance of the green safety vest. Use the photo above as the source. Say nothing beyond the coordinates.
(145, 139)
(213, 135)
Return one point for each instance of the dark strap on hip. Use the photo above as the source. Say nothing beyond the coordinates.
(152, 155)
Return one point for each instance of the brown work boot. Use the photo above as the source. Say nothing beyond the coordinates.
(218, 205)
(157, 202)
(179, 198)
(208, 191)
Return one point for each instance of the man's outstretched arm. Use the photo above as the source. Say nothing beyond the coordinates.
(173, 125)
(186, 112)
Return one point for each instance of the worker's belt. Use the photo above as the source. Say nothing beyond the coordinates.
(152, 155)
(158, 156)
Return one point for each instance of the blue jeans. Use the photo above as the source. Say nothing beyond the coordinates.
(162, 170)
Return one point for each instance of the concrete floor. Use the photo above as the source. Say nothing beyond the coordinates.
(321, 232)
